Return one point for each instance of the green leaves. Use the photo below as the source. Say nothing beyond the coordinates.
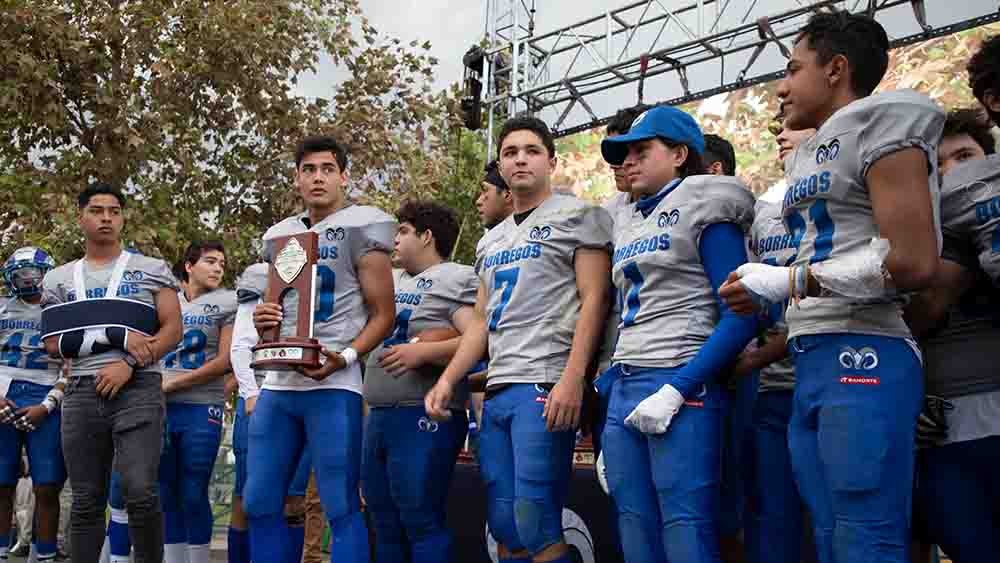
(187, 106)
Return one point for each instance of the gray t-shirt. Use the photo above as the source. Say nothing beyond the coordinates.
(423, 301)
(144, 277)
(340, 312)
(530, 278)
(668, 304)
(771, 244)
(203, 321)
(22, 353)
(828, 208)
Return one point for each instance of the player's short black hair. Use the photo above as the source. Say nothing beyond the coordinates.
(860, 39)
(99, 188)
(970, 122)
(492, 176)
(425, 216)
(623, 119)
(321, 143)
(718, 149)
(984, 72)
(528, 123)
(194, 252)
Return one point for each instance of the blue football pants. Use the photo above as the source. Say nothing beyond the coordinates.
(851, 438)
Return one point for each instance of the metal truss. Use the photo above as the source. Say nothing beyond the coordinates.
(564, 73)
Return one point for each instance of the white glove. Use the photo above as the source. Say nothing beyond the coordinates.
(654, 413)
(766, 284)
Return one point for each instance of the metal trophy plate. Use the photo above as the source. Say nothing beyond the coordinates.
(293, 268)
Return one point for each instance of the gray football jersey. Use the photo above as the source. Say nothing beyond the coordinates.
(532, 303)
(340, 312)
(669, 307)
(616, 204)
(827, 206)
(961, 355)
(143, 278)
(203, 321)
(771, 244)
(427, 300)
(22, 353)
(970, 210)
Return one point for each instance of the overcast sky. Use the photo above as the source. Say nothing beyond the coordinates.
(452, 26)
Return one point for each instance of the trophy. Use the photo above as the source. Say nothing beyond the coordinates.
(292, 268)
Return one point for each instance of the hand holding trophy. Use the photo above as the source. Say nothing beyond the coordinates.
(292, 268)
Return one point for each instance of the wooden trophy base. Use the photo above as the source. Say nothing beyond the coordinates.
(291, 352)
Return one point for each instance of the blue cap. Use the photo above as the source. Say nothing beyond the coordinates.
(667, 122)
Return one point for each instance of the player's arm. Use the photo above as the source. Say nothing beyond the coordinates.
(899, 189)
(111, 378)
(214, 368)
(168, 311)
(374, 268)
(31, 417)
(901, 202)
(399, 358)
(775, 349)
(929, 307)
(471, 349)
(241, 354)
(440, 353)
(593, 277)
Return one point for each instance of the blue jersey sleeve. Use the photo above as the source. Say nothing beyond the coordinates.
(722, 250)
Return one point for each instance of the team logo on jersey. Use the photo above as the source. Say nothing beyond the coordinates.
(828, 151)
(132, 275)
(427, 425)
(865, 359)
(209, 309)
(335, 234)
(424, 283)
(668, 219)
(540, 233)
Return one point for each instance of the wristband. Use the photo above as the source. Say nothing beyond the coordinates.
(350, 356)
(53, 400)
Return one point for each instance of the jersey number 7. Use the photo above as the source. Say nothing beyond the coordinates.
(505, 279)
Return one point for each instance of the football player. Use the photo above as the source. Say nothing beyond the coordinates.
(30, 395)
(299, 410)
(193, 386)
(409, 458)
(619, 125)
(494, 202)
(862, 193)
(773, 525)
(541, 306)
(115, 313)
(957, 485)
(250, 290)
(662, 438)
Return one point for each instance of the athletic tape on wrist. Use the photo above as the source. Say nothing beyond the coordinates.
(350, 356)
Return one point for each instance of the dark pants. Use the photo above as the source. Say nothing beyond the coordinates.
(126, 430)
(958, 498)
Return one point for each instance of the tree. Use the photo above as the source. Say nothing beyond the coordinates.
(188, 105)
